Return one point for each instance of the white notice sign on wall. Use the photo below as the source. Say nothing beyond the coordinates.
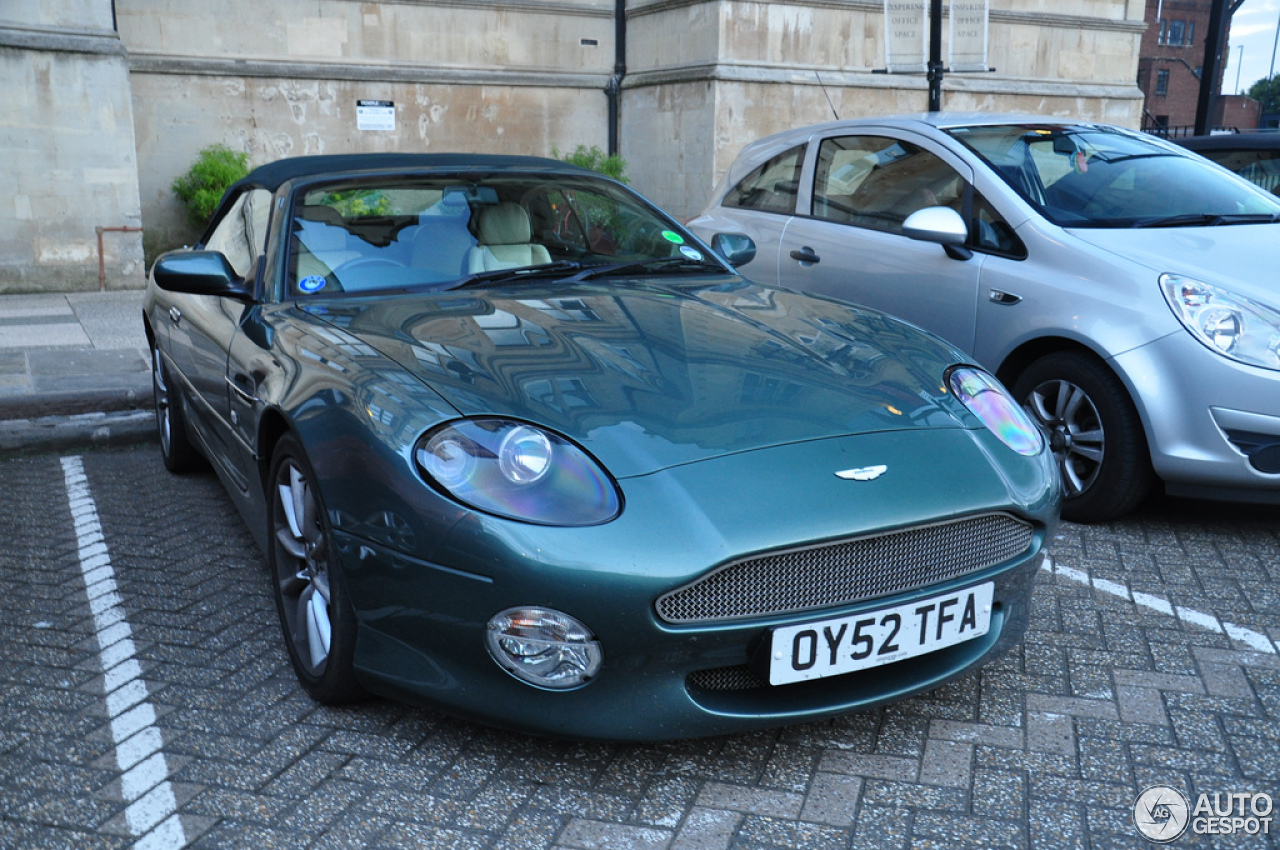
(376, 115)
(906, 32)
(968, 35)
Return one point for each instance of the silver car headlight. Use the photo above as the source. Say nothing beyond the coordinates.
(516, 470)
(988, 400)
(1226, 323)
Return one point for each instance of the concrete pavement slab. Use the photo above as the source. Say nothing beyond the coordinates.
(74, 370)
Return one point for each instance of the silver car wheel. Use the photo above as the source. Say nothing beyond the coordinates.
(302, 568)
(1075, 432)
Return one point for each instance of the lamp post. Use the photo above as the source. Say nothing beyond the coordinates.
(1239, 65)
(1271, 75)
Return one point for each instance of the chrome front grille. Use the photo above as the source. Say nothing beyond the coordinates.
(849, 571)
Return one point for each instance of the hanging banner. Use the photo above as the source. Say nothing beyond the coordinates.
(968, 41)
(906, 36)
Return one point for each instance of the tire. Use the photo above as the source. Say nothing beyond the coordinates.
(176, 448)
(1095, 433)
(310, 592)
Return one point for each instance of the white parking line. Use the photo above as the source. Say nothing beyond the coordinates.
(1254, 640)
(151, 812)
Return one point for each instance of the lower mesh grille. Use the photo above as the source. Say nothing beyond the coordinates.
(852, 570)
(727, 679)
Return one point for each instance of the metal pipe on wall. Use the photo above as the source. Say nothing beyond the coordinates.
(614, 89)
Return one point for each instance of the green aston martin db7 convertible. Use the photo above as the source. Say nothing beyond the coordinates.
(519, 447)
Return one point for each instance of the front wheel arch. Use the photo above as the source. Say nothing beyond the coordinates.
(1096, 431)
(317, 620)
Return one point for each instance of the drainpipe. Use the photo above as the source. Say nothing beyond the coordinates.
(614, 89)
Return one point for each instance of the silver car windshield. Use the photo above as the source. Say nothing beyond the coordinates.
(1088, 176)
(442, 232)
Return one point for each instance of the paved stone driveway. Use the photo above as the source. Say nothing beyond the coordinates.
(1151, 660)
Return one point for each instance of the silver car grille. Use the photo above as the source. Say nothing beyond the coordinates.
(836, 574)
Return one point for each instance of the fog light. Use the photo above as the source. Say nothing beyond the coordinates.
(545, 648)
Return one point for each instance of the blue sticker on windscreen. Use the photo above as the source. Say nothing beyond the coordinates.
(311, 283)
(691, 253)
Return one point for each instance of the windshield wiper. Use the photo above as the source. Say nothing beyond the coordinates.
(504, 275)
(680, 262)
(1206, 219)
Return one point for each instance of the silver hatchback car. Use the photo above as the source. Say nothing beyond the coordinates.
(1127, 291)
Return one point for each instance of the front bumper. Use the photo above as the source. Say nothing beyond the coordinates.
(1213, 425)
(421, 634)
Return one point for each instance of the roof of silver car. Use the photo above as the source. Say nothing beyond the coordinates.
(941, 120)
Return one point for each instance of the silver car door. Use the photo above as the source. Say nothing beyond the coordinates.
(850, 244)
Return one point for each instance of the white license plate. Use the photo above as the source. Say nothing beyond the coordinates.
(871, 638)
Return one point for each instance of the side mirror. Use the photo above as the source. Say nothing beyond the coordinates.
(936, 224)
(200, 273)
(737, 248)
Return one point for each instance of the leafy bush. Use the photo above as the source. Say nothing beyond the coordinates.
(611, 165)
(201, 188)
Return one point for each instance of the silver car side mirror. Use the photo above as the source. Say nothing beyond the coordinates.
(942, 225)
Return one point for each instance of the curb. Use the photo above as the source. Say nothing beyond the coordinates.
(86, 430)
(70, 403)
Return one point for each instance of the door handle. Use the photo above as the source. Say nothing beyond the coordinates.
(805, 255)
(175, 315)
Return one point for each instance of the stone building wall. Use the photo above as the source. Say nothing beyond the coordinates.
(277, 79)
(707, 76)
(283, 79)
(67, 150)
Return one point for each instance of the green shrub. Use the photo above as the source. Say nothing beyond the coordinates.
(201, 188)
(595, 159)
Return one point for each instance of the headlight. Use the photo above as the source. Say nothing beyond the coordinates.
(518, 471)
(1228, 324)
(995, 408)
(544, 647)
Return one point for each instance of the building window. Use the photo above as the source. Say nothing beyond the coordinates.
(1162, 82)
(1177, 33)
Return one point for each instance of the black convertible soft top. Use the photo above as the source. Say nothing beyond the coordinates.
(274, 174)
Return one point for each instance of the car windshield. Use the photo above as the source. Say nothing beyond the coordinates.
(1092, 176)
(447, 231)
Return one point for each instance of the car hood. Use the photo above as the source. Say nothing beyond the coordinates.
(1241, 257)
(647, 376)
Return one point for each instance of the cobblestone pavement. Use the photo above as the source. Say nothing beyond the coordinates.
(145, 692)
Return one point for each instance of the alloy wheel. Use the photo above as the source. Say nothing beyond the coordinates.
(302, 568)
(164, 420)
(1075, 432)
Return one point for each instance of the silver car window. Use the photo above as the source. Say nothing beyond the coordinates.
(876, 182)
(1087, 176)
(772, 187)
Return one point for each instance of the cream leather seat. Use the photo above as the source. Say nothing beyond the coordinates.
(503, 233)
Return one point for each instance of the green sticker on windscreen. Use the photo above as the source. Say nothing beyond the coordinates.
(672, 236)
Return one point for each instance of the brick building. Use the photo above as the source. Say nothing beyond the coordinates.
(1169, 65)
